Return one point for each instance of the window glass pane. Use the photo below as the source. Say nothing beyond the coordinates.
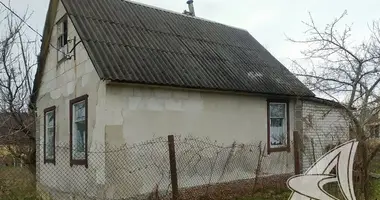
(277, 132)
(64, 24)
(278, 125)
(80, 133)
(50, 143)
(59, 42)
(79, 111)
(49, 137)
(62, 37)
(64, 32)
(59, 28)
(79, 130)
(277, 110)
(50, 119)
(276, 122)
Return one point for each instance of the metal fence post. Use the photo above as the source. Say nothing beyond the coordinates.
(297, 163)
(173, 167)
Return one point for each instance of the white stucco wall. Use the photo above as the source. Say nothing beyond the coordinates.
(322, 125)
(60, 84)
(136, 114)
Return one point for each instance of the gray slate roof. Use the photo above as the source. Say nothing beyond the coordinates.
(129, 42)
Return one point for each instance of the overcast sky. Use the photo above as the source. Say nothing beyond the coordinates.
(267, 20)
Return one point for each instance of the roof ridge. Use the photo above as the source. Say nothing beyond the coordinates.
(181, 14)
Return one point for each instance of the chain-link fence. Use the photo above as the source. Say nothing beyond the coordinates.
(208, 170)
(161, 168)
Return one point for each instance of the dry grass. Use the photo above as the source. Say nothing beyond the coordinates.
(17, 183)
(267, 187)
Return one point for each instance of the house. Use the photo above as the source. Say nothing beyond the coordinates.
(117, 72)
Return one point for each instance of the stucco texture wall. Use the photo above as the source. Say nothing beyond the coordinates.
(61, 83)
(136, 114)
(323, 125)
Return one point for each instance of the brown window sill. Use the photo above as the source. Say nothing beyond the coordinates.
(51, 161)
(79, 162)
(279, 149)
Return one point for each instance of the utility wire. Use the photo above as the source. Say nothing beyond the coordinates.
(22, 20)
(10, 10)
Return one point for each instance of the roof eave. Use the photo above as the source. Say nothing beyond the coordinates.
(211, 90)
(49, 21)
(326, 102)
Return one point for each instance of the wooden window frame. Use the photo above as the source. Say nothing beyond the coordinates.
(47, 110)
(284, 148)
(85, 160)
(63, 18)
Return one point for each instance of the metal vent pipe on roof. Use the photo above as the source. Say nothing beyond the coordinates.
(191, 7)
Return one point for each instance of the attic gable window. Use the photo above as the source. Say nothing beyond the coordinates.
(278, 125)
(62, 31)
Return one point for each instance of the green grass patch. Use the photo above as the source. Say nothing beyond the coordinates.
(375, 188)
(375, 166)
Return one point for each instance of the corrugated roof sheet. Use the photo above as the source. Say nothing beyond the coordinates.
(130, 42)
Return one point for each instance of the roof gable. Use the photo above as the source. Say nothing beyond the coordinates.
(48, 28)
(133, 43)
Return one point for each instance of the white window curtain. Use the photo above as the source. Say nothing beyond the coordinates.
(278, 124)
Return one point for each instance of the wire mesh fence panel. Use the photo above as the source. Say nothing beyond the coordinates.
(113, 172)
(207, 169)
(203, 168)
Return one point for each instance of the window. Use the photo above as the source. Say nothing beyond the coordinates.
(78, 131)
(278, 126)
(49, 135)
(62, 38)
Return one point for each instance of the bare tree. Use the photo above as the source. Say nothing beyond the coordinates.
(347, 71)
(17, 61)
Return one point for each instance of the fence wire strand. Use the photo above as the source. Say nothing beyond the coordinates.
(142, 171)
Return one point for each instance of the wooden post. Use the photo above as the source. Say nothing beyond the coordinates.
(297, 162)
(173, 167)
(313, 150)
